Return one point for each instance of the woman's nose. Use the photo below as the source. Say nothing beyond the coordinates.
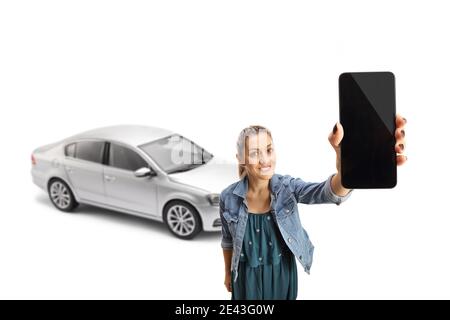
(264, 159)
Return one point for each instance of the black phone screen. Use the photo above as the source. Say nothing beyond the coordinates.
(367, 113)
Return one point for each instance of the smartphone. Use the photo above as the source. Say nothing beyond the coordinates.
(367, 113)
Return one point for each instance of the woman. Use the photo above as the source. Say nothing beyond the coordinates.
(261, 230)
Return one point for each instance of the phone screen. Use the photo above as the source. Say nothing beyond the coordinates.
(367, 113)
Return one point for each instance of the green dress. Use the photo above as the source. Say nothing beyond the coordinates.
(267, 268)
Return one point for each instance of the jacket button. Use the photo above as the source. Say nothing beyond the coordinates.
(242, 254)
(287, 210)
(270, 243)
(300, 257)
(290, 240)
(260, 259)
(257, 230)
(268, 218)
(250, 243)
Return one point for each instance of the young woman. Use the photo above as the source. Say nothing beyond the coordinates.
(261, 230)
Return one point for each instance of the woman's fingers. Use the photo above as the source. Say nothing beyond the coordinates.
(401, 159)
(399, 121)
(336, 135)
(400, 147)
(400, 141)
(227, 285)
(400, 135)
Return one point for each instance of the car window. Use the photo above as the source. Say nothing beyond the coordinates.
(70, 150)
(125, 158)
(176, 153)
(90, 151)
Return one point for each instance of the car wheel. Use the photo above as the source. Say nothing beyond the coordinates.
(182, 219)
(61, 196)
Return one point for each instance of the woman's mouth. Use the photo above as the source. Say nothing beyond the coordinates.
(265, 169)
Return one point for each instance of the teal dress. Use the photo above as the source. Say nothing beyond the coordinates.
(267, 268)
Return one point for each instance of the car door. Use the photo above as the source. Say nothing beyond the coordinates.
(122, 188)
(84, 167)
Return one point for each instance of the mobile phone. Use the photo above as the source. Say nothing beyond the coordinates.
(367, 114)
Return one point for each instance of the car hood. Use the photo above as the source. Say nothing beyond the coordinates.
(212, 177)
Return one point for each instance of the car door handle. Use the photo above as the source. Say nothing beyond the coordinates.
(110, 178)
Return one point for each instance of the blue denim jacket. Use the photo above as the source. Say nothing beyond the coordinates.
(286, 192)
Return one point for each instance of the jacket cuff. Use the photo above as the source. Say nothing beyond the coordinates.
(226, 244)
(334, 198)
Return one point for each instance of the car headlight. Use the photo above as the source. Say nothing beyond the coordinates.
(213, 199)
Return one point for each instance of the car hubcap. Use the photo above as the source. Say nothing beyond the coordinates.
(181, 220)
(60, 195)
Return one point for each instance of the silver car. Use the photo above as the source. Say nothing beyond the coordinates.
(144, 171)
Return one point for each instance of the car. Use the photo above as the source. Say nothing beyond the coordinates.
(145, 171)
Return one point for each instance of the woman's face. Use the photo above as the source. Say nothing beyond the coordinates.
(260, 157)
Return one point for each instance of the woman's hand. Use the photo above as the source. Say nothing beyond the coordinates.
(335, 138)
(227, 281)
(400, 139)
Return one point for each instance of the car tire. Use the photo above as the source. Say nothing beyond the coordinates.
(61, 196)
(182, 219)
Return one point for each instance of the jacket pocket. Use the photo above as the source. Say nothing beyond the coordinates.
(231, 222)
(288, 207)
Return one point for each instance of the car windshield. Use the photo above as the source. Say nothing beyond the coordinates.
(175, 153)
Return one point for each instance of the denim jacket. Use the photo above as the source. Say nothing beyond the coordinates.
(285, 193)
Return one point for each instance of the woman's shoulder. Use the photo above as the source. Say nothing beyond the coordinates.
(229, 189)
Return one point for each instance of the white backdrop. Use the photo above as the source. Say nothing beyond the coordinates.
(207, 69)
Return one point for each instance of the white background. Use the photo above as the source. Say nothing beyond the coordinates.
(207, 69)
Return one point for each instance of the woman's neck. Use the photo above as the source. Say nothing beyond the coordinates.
(257, 186)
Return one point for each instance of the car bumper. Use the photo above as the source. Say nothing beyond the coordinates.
(38, 178)
(210, 218)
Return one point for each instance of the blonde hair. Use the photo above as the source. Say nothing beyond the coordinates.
(241, 141)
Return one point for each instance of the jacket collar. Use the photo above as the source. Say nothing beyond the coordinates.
(242, 186)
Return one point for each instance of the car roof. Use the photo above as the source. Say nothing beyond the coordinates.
(133, 135)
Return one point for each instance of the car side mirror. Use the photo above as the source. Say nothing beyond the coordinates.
(144, 172)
